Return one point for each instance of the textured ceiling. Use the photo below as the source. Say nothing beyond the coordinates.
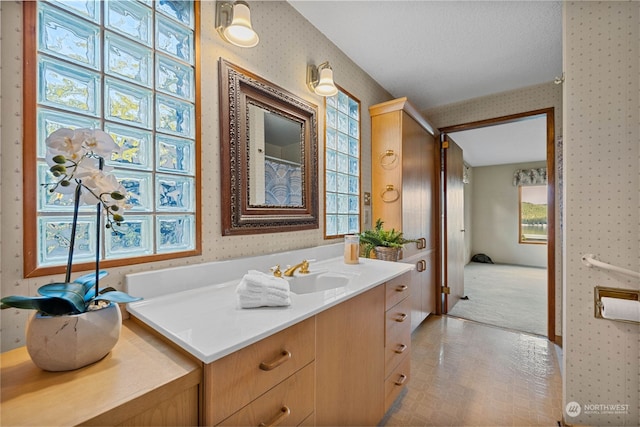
(515, 142)
(442, 52)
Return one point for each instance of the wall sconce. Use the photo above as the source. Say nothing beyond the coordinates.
(320, 79)
(233, 22)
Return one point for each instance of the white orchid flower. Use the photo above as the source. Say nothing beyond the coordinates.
(99, 142)
(74, 156)
(66, 142)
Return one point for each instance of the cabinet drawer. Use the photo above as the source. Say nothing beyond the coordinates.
(397, 289)
(395, 382)
(288, 404)
(397, 320)
(237, 379)
(397, 335)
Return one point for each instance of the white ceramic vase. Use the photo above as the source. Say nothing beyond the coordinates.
(64, 343)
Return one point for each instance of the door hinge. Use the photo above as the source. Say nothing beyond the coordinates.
(445, 144)
(445, 290)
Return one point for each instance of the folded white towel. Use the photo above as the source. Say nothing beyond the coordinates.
(258, 289)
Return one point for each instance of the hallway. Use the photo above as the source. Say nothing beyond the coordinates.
(468, 374)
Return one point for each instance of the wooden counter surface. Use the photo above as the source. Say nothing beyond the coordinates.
(143, 381)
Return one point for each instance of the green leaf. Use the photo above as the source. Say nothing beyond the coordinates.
(117, 296)
(90, 278)
(53, 306)
(72, 292)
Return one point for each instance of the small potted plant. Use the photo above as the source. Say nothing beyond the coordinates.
(386, 244)
(76, 323)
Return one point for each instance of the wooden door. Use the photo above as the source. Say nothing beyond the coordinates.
(453, 188)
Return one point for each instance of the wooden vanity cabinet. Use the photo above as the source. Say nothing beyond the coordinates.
(350, 361)
(405, 160)
(397, 342)
(269, 381)
(143, 381)
(344, 366)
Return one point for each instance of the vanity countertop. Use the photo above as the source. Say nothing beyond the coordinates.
(207, 322)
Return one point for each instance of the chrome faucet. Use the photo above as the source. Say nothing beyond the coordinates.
(303, 266)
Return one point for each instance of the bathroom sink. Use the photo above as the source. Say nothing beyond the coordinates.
(317, 281)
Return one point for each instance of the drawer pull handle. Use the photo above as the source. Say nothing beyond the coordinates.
(268, 366)
(402, 288)
(401, 318)
(284, 413)
(401, 348)
(401, 380)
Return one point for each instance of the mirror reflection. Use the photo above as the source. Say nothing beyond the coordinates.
(276, 165)
(268, 156)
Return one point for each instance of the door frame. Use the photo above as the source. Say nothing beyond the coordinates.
(551, 198)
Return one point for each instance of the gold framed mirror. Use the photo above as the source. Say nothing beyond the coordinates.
(268, 155)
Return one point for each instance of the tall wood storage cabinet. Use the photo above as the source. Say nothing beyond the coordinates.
(405, 162)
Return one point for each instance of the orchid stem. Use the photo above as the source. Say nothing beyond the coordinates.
(74, 224)
(98, 226)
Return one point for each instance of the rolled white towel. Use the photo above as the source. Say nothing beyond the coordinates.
(257, 279)
(257, 289)
(262, 301)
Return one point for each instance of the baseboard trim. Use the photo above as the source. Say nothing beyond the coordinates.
(558, 340)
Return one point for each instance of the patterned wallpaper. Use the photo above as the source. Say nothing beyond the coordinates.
(503, 104)
(287, 44)
(601, 150)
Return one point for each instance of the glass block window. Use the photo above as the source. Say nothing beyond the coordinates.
(342, 165)
(129, 68)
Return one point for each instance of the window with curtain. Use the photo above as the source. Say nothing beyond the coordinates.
(342, 165)
(128, 68)
(532, 202)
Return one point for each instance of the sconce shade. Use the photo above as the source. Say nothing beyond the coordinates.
(239, 32)
(320, 80)
(326, 87)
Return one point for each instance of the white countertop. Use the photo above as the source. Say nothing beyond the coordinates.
(207, 322)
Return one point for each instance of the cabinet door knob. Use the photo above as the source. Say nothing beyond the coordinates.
(401, 380)
(268, 366)
(284, 413)
(401, 348)
(402, 288)
(401, 317)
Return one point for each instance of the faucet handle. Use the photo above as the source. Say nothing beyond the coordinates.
(304, 268)
(276, 271)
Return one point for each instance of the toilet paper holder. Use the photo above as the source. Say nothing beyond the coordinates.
(603, 291)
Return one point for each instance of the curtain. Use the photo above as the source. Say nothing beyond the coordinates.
(536, 176)
(283, 184)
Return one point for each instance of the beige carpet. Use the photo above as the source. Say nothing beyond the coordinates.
(509, 296)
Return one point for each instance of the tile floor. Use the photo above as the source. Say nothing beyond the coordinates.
(465, 373)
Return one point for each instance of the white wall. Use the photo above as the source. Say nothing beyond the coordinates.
(288, 42)
(494, 219)
(602, 164)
